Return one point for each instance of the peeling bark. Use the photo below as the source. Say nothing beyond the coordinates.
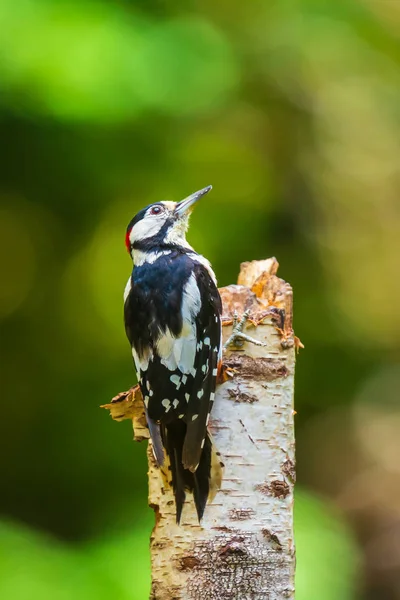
(244, 547)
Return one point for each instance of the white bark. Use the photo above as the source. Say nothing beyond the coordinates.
(244, 548)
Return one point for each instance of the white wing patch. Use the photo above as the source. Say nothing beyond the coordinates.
(128, 288)
(165, 345)
(191, 301)
(142, 363)
(203, 261)
(179, 353)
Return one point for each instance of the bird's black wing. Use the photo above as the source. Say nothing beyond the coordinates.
(208, 327)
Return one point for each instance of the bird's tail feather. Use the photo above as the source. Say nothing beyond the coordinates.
(203, 483)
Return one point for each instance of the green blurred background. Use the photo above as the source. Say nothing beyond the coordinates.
(291, 109)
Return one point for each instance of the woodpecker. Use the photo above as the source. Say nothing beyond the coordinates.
(172, 313)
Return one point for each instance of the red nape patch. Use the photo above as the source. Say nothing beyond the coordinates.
(128, 241)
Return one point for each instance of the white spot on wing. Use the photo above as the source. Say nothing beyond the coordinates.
(184, 379)
(212, 396)
(146, 401)
(193, 371)
(176, 380)
(175, 403)
(215, 372)
(194, 417)
(200, 394)
(167, 404)
(207, 341)
(187, 397)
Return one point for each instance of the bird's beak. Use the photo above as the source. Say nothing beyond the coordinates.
(182, 207)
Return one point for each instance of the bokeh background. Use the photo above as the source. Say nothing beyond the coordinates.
(291, 109)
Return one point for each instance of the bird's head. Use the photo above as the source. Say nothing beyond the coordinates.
(162, 224)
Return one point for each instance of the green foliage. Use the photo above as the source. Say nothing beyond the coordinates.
(328, 559)
(95, 61)
(33, 567)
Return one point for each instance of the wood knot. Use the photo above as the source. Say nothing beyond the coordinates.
(278, 488)
(187, 563)
(266, 369)
(233, 549)
(238, 395)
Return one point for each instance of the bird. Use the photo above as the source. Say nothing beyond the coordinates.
(172, 314)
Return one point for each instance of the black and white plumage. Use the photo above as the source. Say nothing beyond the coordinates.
(172, 315)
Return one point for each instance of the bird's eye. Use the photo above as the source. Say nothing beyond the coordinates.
(156, 210)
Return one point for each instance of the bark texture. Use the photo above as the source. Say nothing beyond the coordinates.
(244, 548)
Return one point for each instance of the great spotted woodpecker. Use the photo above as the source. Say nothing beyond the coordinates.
(172, 312)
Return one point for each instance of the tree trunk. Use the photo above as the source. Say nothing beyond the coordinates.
(244, 548)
